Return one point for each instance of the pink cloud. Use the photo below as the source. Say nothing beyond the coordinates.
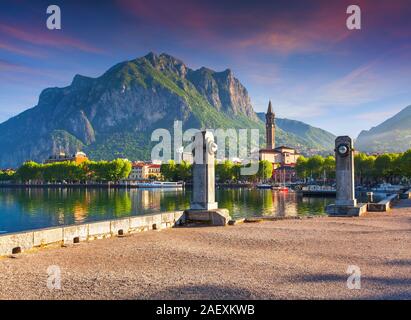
(319, 26)
(241, 28)
(19, 50)
(45, 38)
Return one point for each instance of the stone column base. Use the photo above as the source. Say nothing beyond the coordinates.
(216, 217)
(346, 211)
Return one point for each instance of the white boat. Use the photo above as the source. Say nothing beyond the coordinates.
(387, 188)
(318, 188)
(264, 186)
(159, 184)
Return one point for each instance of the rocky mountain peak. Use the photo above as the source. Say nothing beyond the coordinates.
(167, 63)
(113, 115)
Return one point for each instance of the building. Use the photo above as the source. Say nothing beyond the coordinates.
(283, 158)
(270, 127)
(154, 171)
(287, 156)
(78, 157)
(145, 171)
(136, 172)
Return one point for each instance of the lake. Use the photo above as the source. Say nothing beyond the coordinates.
(33, 208)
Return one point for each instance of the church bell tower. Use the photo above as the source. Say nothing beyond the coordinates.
(270, 127)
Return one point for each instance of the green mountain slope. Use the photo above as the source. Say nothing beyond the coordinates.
(393, 135)
(301, 135)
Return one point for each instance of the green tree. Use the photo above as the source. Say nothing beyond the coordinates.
(315, 166)
(405, 163)
(29, 170)
(169, 170)
(125, 170)
(385, 165)
(301, 168)
(225, 171)
(265, 170)
(116, 170)
(7, 175)
(329, 167)
(237, 171)
(184, 171)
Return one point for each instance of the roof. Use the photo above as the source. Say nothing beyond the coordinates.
(268, 151)
(284, 147)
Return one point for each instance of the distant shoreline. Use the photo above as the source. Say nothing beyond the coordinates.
(106, 185)
(70, 185)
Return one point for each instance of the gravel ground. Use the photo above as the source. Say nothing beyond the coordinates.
(286, 259)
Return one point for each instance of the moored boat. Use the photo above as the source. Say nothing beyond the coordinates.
(159, 184)
(264, 186)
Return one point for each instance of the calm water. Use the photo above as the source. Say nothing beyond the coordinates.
(24, 209)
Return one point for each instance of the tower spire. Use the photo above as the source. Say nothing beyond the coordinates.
(270, 108)
(270, 127)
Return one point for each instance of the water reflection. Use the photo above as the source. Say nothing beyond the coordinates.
(23, 209)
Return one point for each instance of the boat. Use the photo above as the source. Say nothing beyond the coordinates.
(159, 184)
(264, 186)
(386, 188)
(316, 190)
(283, 189)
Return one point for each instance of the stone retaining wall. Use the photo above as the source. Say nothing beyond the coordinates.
(406, 194)
(21, 241)
(384, 205)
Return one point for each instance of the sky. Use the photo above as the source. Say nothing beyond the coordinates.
(299, 54)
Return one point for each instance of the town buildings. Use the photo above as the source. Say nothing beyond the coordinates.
(78, 157)
(283, 158)
(145, 171)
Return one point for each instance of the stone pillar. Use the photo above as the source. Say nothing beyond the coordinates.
(203, 208)
(204, 172)
(344, 157)
(345, 202)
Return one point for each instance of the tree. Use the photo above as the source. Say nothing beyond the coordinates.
(329, 167)
(315, 166)
(30, 170)
(405, 163)
(184, 171)
(7, 175)
(98, 170)
(125, 170)
(301, 167)
(225, 171)
(385, 164)
(116, 170)
(265, 170)
(169, 170)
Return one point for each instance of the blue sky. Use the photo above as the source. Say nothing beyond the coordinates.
(299, 54)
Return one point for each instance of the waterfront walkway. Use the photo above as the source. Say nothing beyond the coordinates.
(286, 259)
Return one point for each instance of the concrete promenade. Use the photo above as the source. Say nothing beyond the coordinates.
(285, 259)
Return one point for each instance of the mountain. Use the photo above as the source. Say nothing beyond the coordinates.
(113, 115)
(301, 135)
(393, 135)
